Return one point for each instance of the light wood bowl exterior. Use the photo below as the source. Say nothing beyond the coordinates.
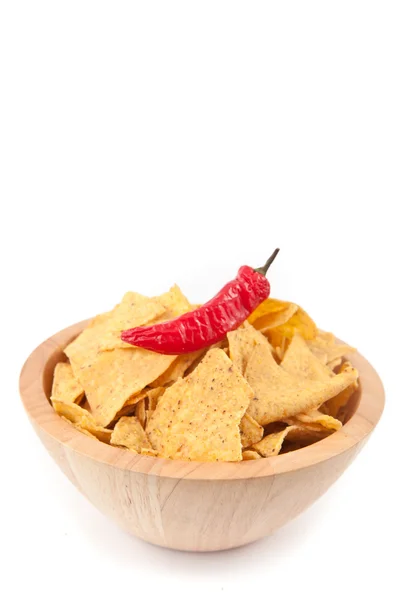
(191, 505)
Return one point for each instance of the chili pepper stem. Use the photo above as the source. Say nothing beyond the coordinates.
(263, 270)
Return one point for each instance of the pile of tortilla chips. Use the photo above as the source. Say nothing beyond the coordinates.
(275, 384)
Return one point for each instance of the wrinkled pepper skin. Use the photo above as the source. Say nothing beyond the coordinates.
(210, 323)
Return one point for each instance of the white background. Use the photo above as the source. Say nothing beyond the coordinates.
(144, 143)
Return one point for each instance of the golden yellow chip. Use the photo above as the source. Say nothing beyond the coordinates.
(279, 395)
(316, 420)
(279, 351)
(85, 348)
(271, 444)
(140, 412)
(177, 369)
(66, 388)
(100, 319)
(300, 323)
(129, 433)
(242, 342)
(101, 433)
(153, 396)
(198, 417)
(116, 376)
(251, 432)
(250, 455)
(152, 400)
(301, 362)
(324, 346)
(148, 452)
(81, 418)
(175, 303)
(272, 313)
(129, 407)
(134, 310)
(334, 363)
(335, 407)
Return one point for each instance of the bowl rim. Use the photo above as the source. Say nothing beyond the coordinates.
(42, 415)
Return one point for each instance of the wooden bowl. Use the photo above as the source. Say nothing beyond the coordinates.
(193, 505)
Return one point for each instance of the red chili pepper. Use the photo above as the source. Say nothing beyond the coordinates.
(209, 323)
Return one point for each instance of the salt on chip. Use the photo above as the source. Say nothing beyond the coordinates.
(82, 419)
(242, 342)
(129, 433)
(66, 388)
(116, 376)
(272, 313)
(250, 455)
(198, 417)
(251, 432)
(279, 395)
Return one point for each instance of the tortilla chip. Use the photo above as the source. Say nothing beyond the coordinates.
(301, 362)
(300, 323)
(333, 364)
(198, 417)
(335, 407)
(153, 397)
(134, 310)
(140, 412)
(251, 432)
(316, 420)
(81, 418)
(152, 401)
(66, 388)
(324, 346)
(250, 455)
(279, 351)
(116, 376)
(280, 395)
(85, 348)
(177, 369)
(175, 303)
(242, 342)
(272, 313)
(271, 444)
(100, 319)
(148, 452)
(129, 433)
(129, 407)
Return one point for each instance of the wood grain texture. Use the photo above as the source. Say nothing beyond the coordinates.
(190, 505)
